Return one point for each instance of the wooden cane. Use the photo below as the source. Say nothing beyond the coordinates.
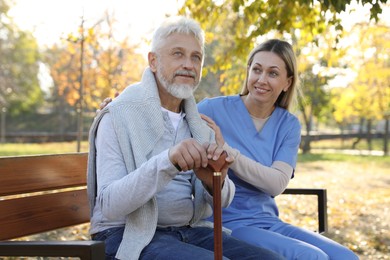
(217, 166)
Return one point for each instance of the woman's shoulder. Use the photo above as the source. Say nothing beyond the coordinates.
(284, 112)
(219, 99)
(286, 116)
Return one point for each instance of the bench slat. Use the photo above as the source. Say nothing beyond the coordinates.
(30, 215)
(38, 173)
(85, 250)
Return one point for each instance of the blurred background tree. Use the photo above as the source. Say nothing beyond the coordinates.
(367, 98)
(109, 64)
(20, 91)
(89, 66)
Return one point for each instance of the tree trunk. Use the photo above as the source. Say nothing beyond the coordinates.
(369, 137)
(361, 123)
(386, 138)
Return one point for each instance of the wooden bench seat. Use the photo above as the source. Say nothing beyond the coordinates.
(41, 193)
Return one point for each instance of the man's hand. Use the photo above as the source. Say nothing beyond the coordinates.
(188, 155)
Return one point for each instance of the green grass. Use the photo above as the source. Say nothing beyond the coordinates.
(13, 149)
(339, 157)
(376, 144)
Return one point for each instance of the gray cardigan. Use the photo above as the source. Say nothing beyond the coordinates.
(141, 104)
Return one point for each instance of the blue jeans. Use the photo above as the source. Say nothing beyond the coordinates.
(294, 242)
(178, 243)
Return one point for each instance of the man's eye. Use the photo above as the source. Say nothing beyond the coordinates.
(197, 57)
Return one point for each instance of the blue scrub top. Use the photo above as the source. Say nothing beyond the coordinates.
(277, 141)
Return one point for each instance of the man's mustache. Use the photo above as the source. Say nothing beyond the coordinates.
(185, 73)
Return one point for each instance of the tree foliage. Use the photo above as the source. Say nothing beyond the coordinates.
(236, 25)
(19, 57)
(96, 59)
(368, 96)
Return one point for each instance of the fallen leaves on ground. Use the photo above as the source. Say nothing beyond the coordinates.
(358, 204)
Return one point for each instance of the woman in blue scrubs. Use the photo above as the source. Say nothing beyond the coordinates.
(257, 128)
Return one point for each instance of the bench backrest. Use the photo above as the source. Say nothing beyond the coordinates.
(42, 192)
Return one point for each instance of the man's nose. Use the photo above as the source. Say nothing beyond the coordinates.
(188, 63)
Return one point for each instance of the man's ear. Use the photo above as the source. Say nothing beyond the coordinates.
(152, 58)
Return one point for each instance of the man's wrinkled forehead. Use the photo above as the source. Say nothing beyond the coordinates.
(182, 41)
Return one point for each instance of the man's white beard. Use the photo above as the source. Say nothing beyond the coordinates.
(181, 91)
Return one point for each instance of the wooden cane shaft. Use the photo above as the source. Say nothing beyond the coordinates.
(217, 216)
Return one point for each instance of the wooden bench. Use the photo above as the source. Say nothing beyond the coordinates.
(40, 193)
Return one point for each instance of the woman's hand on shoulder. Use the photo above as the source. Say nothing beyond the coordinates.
(218, 135)
(105, 102)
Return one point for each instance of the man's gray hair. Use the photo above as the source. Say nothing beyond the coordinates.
(177, 24)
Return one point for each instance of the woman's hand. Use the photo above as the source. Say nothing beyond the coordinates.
(105, 102)
(218, 135)
(218, 161)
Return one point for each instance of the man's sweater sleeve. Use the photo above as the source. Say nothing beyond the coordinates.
(119, 192)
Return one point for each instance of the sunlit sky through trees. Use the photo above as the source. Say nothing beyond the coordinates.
(51, 20)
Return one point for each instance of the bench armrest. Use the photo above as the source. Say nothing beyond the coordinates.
(321, 202)
(92, 250)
